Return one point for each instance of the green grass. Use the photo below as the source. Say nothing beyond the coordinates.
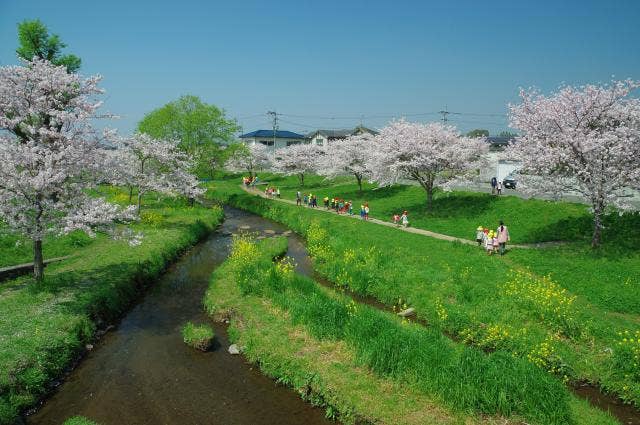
(466, 294)
(458, 379)
(45, 325)
(79, 420)
(198, 336)
(460, 213)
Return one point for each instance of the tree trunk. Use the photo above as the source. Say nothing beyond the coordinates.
(359, 179)
(301, 177)
(38, 261)
(130, 194)
(139, 202)
(429, 198)
(598, 209)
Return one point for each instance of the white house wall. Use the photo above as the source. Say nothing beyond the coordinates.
(279, 142)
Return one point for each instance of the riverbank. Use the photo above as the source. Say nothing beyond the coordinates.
(46, 326)
(569, 328)
(367, 366)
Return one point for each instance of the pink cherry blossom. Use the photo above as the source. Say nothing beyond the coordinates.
(50, 155)
(252, 158)
(585, 139)
(348, 156)
(298, 159)
(145, 164)
(433, 154)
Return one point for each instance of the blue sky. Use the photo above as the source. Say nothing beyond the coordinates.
(325, 63)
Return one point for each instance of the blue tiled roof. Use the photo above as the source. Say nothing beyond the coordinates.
(281, 134)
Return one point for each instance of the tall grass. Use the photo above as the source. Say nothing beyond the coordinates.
(461, 377)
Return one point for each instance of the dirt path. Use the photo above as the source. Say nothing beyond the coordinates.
(423, 232)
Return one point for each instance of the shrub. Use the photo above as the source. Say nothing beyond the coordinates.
(79, 420)
(198, 336)
(550, 302)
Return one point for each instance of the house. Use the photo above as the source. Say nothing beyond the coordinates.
(273, 139)
(324, 137)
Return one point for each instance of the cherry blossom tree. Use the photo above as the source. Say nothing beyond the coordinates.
(50, 155)
(348, 156)
(586, 137)
(250, 158)
(434, 155)
(143, 164)
(298, 159)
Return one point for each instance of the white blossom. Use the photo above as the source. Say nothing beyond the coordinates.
(50, 156)
(146, 164)
(585, 139)
(251, 159)
(348, 156)
(298, 159)
(433, 154)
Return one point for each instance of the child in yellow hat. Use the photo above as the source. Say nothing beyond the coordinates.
(488, 242)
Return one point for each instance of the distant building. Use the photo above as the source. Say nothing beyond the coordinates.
(274, 140)
(324, 137)
(498, 166)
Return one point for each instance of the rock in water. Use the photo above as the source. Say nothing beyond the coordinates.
(270, 232)
(408, 312)
(233, 349)
(287, 233)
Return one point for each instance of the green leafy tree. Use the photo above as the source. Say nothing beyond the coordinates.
(36, 42)
(478, 132)
(202, 130)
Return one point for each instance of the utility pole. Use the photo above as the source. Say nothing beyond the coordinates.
(274, 114)
(444, 115)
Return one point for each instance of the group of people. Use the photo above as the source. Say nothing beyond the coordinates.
(494, 241)
(308, 199)
(339, 205)
(249, 181)
(272, 192)
(496, 186)
(401, 218)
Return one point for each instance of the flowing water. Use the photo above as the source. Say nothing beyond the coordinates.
(142, 372)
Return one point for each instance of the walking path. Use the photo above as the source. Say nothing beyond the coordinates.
(404, 229)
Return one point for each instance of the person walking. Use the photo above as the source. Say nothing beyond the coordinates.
(503, 237)
(298, 198)
(405, 219)
(494, 183)
(499, 188)
(479, 235)
(366, 211)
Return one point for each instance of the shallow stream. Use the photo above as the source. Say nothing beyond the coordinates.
(142, 372)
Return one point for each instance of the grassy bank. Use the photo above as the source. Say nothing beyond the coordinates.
(459, 213)
(323, 343)
(45, 326)
(567, 325)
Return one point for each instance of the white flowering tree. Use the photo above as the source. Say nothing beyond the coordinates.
(434, 155)
(298, 159)
(586, 137)
(249, 158)
(144, 164)
(348, 156)
(50, 155)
